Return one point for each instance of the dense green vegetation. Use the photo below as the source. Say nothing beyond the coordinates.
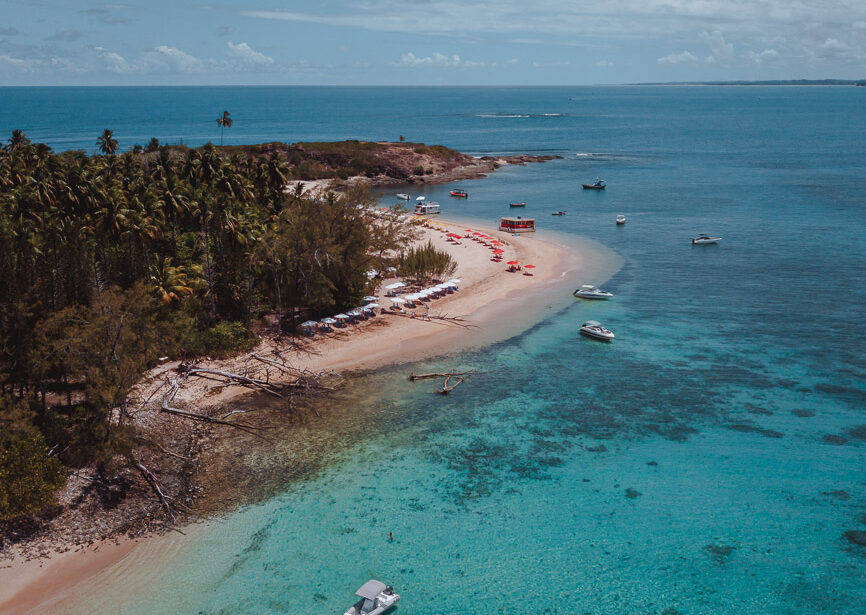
(426, 261)
(112, 261)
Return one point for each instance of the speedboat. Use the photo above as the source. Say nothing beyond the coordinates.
(595, 330)
(705, 239)
(523, 204)
(459, 193)
(558, 213)
(597, 185)
(588, 291)
(620, 219)
(403, 196)
(376, 598)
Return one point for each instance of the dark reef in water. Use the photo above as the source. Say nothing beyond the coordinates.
(839, 494)
(747, 428)
(632, 493)
(858, 432)
(719, 552)
(855, 537)
(834, 439)
(802, 413)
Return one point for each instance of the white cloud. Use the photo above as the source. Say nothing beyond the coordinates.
(247, 55)
(556, 64)
(834, 48)
(686, 57)
(114, 62)
(437, 59)
(767, 55)
(170, 59)
(722, 51)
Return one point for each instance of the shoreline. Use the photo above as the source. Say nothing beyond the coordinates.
(498, 304)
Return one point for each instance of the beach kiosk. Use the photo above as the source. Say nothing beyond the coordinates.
(517, 224)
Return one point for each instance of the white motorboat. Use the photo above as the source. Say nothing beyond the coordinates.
(376, 598)
(403, 196)
(588, 291)
(620, 219)
(595, 330)
(705, 239)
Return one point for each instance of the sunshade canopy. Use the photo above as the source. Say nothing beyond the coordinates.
(395, 285)
(309, 323)
(371, 589)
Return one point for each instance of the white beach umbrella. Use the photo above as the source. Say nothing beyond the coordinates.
(395, 285)
(341, 317)
(328, 321)
(371, 306)
(454, 280)
(397, 300)
(369, 299)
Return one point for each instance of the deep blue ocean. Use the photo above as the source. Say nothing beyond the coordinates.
(711, 460)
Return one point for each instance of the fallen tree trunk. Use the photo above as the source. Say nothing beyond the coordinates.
(413, 377)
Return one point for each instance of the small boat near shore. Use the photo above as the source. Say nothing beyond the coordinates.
(595, 330)
(427, 209)
(376, 598)
(460, 194)
(403, 196)
(597, 185)
(620, 219)
(588, 291)
(559, 213)
(523, 204)
(703, 239)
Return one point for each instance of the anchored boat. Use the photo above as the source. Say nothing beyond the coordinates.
(523, 204)
(427, 209)
(588, 291)
(595, 330)
(620, 219)
(376, 598)
(597, 185)
(461, 194)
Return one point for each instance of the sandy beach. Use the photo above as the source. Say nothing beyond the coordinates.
(493, 304)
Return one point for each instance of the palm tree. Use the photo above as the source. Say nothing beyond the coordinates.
(169, 282)
(106, 142)
(18, 140)
(225, 121)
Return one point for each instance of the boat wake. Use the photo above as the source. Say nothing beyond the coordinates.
(516, 115)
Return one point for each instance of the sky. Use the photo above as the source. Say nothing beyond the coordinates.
(428, 42)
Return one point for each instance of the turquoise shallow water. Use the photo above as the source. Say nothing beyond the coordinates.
(710, 460)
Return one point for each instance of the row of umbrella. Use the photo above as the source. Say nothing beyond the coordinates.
(428, 293)
(368, 310)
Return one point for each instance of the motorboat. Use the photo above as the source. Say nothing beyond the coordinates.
(598, 184)
(559, 213)
(427, 209)
(705, 239)
(595, 330)
(403, 196)
(375, 598)
(620, 219)
(523, 204)
(462, 194)
(588, 291)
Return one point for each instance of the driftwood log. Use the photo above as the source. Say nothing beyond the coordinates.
(448, 385)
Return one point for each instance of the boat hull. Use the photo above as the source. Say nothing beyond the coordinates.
(592, 187)
(706, 242)
(517, 204)
(596, 336)
(595, 297)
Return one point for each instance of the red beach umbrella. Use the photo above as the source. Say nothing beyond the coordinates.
(530, 266)
(513, 263)
(498, 251)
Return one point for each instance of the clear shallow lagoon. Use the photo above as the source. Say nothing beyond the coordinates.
(709, 460)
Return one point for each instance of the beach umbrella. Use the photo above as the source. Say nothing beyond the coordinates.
(328, 321)
(341, 317)
(530, 266)
(309, 324)
(371, 306)
(513, 263)
(397, 300)
(454, 280)
(395, 285)
(498, 251)
(369, 299)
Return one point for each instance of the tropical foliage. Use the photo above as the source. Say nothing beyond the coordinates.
(114, 260)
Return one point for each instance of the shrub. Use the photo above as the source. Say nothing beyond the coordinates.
(426, 261)
(29, 476)
(227, 337)
(419, 170)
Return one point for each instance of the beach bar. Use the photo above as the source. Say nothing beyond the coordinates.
(517, 224)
